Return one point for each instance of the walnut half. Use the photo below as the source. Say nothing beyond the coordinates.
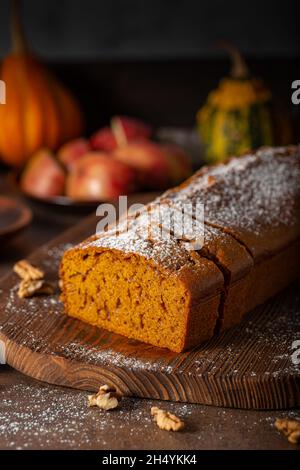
(27, 272)
(290, 428)
(32, 280)
(31, 287)
(166, 420)
(105, 398)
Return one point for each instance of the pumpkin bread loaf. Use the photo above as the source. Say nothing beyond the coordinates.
(256, 200)
(150, 282)
(145, 288)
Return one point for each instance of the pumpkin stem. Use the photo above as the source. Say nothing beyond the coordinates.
(19, 42)
(239, 67)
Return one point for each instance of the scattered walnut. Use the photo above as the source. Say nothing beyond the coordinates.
(27, 272)
(30, 287)
(105, 398)
(166, 420)
(290, 428)
(32, 280)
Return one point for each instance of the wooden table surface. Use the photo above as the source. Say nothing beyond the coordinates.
(35, 415)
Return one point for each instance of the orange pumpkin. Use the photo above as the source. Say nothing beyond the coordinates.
(39, 111)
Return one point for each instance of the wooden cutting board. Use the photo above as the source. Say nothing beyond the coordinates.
(249, 366)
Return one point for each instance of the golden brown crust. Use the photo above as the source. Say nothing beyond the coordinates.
(255, 198)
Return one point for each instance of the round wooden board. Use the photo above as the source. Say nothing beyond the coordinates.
(249, 366)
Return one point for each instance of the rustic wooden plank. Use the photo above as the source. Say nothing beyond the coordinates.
(35, 415)
(248, 366)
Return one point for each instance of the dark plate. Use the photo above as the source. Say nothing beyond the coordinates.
(54, 201)
(14, 216)
(63, 202)
(65, 205)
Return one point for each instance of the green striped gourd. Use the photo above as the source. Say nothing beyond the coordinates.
(237, 116)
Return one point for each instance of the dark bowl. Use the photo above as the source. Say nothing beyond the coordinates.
(14, 216)
(58, 202)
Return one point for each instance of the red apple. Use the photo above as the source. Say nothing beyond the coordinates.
(158, 166)
(98, 177)
(130, 129)
(103, 140)
(148, 160)
(43, 176)
(71, 151)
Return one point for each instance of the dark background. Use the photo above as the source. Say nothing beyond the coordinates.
(158, 59)
(123, 29)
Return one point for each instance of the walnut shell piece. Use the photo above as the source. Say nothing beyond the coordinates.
(27, 271)
(165, 420)
(28, 288)
(290, 428)
(105, 398)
